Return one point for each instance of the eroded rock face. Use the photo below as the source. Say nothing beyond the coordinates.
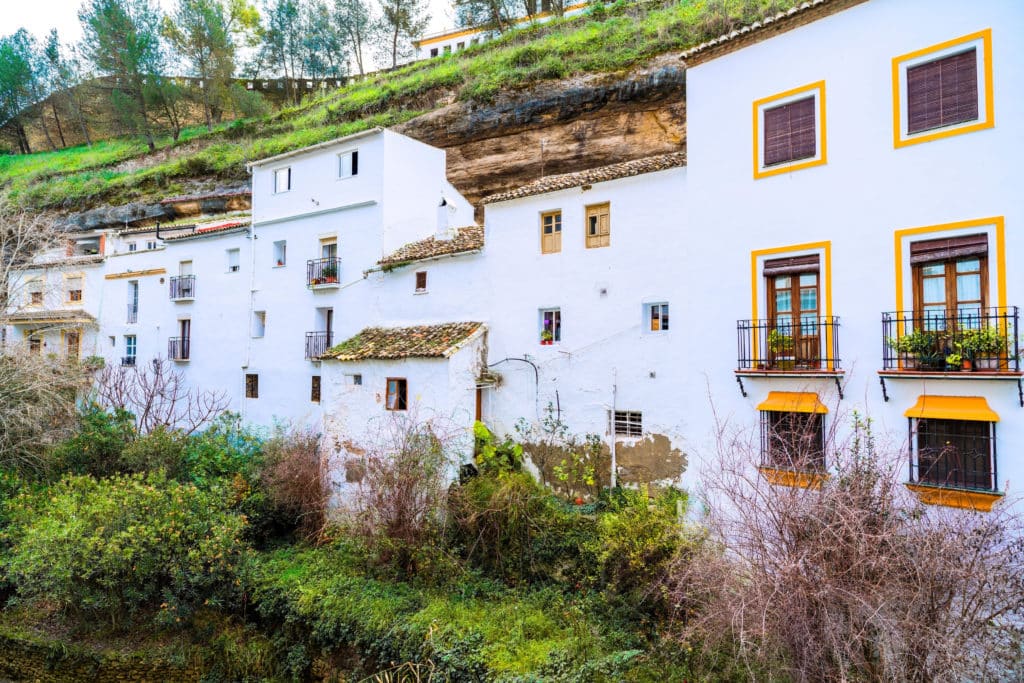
(139, 214)
(559, 127)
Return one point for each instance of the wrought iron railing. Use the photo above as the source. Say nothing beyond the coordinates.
(317, 344)
(133, 314)
(956, 461)
(179, 348)
(183, 287)
(979, 339)
(811, 344)
(323, 271)
(128, 360)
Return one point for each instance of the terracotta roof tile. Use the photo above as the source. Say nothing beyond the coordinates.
(51, 316)
(601, 174)
(391, 343)
(210, 230)
(470, 238)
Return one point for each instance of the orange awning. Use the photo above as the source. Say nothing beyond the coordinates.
(792, 402)
(953, 408)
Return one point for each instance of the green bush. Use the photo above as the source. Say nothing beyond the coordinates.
(97, 446)
(226, 449)
(161, 449)
(113, 548)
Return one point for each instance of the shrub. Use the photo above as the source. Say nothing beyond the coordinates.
(161, 449)
(224, 450)
(97, 446)
(297, 481)
(114, 548)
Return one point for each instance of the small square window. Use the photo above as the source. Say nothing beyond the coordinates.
(657, 317)
(234, 260)
(396, 394)
(280, 253)
(252, 386)
(348, 164)
(282, 180)
(355, 380)
(421, 282)
(35, 293)
(460, 46)
(259, 323)
(314, 389)
(550, 326)
(433, 52)
(599, 229)
(627, 423)
(789, 130)
(74, 285)
(447, 49)
(151, 245)
(133, 246)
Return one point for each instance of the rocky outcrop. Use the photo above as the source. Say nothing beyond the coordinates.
(137, 214)
(559, 127)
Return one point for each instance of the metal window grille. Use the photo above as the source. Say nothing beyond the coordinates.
(793, 440)
(252, 386)
(954, 453)
(314, 389)
(627, 423)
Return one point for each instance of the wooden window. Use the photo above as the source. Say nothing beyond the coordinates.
(794, 337)
(956, 453)
(282, 180)
(550, 326)
(793, 440)
(599, 229)
(551, 232)
(943, 92)
(72, 343)
(35, 293)
(35, 344)
(74, 286)
(252, 386)
(421, 281)
(950, 278)
(790, 132)
(627, 423)
(396, 394)
(658, 317)
(314, 389)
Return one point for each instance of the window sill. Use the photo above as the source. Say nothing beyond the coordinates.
(420, 291)
(980, 501)
(793, 478)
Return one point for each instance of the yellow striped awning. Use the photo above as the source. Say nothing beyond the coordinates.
(792, 402)
(953, 408)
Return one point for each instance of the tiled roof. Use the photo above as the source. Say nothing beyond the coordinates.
(87, 260)
(210, 230)
(469, 238)
(59, 316)
(794, 17)
(601, 174)
(390, 343)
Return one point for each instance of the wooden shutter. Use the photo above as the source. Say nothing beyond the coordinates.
(790, 132)
(928, 251)
(809, 263)
(943, 92)
(599, 227)
(551, 232)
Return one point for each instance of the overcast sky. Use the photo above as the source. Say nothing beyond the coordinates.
(39, 16)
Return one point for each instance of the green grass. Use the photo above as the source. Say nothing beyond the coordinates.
(607, 39)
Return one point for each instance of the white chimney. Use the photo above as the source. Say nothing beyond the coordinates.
(444, 214)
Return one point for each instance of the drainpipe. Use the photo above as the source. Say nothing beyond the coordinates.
(252, 310)
(615, 395)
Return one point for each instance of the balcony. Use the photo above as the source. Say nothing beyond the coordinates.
(128, 361)
(183, 288)
(323, 273)
(979, 341)
(133, 314)
(776, 347)
(317, 344)
(179, 348)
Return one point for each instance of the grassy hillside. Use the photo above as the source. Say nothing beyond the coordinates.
(607, 39)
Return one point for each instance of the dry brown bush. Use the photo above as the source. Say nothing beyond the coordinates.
(296, 477)
(855, 580)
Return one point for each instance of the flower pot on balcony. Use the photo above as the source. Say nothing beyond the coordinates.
(909, 361)
(986, 363)
(784, 363)
(968, 364)
(330, 280)
(546, 342)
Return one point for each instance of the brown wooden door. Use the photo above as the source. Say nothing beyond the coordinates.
(794, 340)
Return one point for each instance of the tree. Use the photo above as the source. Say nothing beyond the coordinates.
(323, 43)
(203, 33)
(282, 40)
(355, 21)
(402, 21)
(67, 76)
(18, 86)
(122, 39)
(493, 15)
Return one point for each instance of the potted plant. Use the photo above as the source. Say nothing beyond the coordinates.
(985, 346)
(546, 338)
(919, 349)
(781, 347)
(280, 262)
(330, 273)
(954, 361)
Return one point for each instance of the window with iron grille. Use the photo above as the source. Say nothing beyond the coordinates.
(793, 440)
(421, 281)
(943, 92)
(74, 285)
(627, 423)
(252, 386)
(314, 389)
(955, 453)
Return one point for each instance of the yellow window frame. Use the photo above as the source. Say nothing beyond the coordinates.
(817, 89)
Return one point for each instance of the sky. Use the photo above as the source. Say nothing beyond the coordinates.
(39, 16)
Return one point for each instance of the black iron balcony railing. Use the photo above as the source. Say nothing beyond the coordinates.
(128, 360)
(980, 339)
(317, 344)
(812, 344)
(323, 271)
(133, 314)
(179, 348)
(183, 287)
